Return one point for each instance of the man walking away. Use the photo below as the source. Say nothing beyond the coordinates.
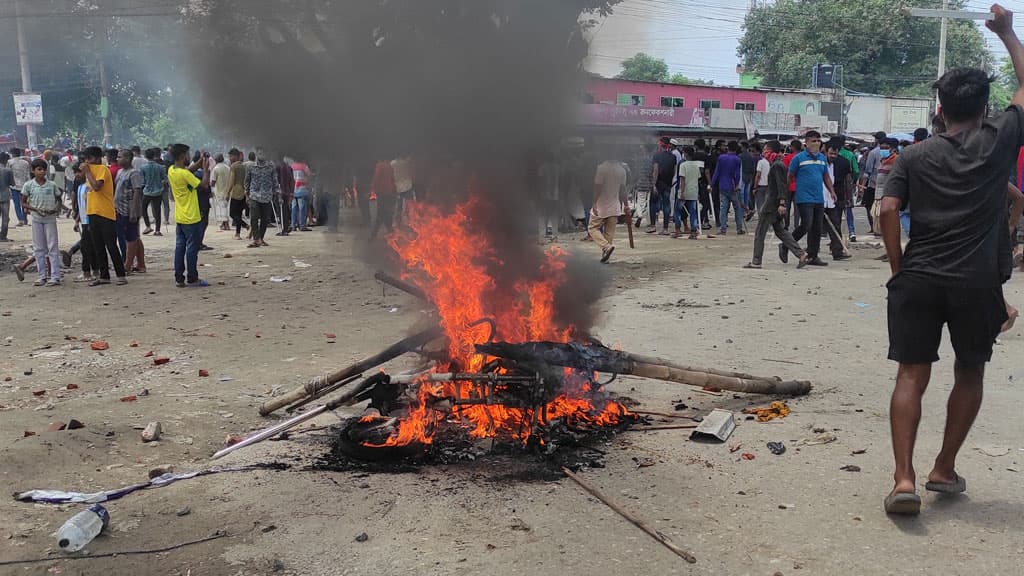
(188, 231)
(663, 171)
(220, 179)
(690, 172)
(609, 201)
(287, 179)
(955, 264)
(22, 173)
(700, 154)
(236, 191)
(302, 176)
(261, 184)
(773, 211)
(869, 180)
(384, 189)
(727, 179)
(855, 166)
(548, 212)
(6, 182)
(154, 178)
(403, 170)
(102, 217)
(808, 170)
(841, 174)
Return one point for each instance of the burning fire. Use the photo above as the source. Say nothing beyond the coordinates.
(448, 256)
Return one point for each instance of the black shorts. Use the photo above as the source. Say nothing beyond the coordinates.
(918, 309)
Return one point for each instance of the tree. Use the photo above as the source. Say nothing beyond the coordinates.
(881, 50)
(644, 68)
(678, 78)
(1003, 88)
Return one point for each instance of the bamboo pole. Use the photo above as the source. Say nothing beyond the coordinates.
(628, 516)
(672, 427)
(401, 285)
(601, 359)
(321, 382)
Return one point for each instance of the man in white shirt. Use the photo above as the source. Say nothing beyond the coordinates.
(609, 201)
(220, 179)
(760, 180)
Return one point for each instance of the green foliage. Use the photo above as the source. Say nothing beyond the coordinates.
(678, 78)
(881, 50)
(644, 68)
(1004, 86)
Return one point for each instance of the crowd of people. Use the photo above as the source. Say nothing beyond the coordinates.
(111, 193)
(801, 190)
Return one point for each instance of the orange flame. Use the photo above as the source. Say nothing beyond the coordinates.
(448, 256)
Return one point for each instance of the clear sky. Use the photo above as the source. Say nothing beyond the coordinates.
(698, 38)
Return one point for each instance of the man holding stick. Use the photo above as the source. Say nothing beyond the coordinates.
(609, 204)
(954, 265)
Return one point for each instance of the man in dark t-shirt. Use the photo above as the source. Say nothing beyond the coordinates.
(663, 166)
(703, 192)
(954, 265)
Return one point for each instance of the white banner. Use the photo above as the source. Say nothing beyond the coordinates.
(28, 108)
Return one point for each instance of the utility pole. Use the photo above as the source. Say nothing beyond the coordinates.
(943, 27)
(26, 73)
(945, 15)
(104, 101)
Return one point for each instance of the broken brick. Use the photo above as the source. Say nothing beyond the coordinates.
(99, 345)
(204, 373)
(131, 398)
(161, 360)
(72, 386)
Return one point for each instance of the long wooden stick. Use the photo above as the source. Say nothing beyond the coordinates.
(601, 359)
(662, 414)
(672, 427)
(390, 353)
(674, 373)
(401, 285)
(632, 519)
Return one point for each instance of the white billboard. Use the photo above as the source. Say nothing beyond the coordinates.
(28, 108)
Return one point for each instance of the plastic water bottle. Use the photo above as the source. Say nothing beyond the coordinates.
(81, 528)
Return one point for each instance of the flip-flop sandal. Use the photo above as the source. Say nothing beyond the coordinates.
(753, 266)
(607, 254)
(903, 504)
(960, 485)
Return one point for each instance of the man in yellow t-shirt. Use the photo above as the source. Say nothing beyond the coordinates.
(99, 206)
(189, 230)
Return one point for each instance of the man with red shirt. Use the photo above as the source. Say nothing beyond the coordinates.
(301, 175)
(795, 147)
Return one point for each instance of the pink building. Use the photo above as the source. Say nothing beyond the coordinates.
(658, 95)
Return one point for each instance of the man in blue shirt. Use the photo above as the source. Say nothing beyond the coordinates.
(728, 180)
(809, 169)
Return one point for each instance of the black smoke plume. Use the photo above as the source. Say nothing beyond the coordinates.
(474, 90)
